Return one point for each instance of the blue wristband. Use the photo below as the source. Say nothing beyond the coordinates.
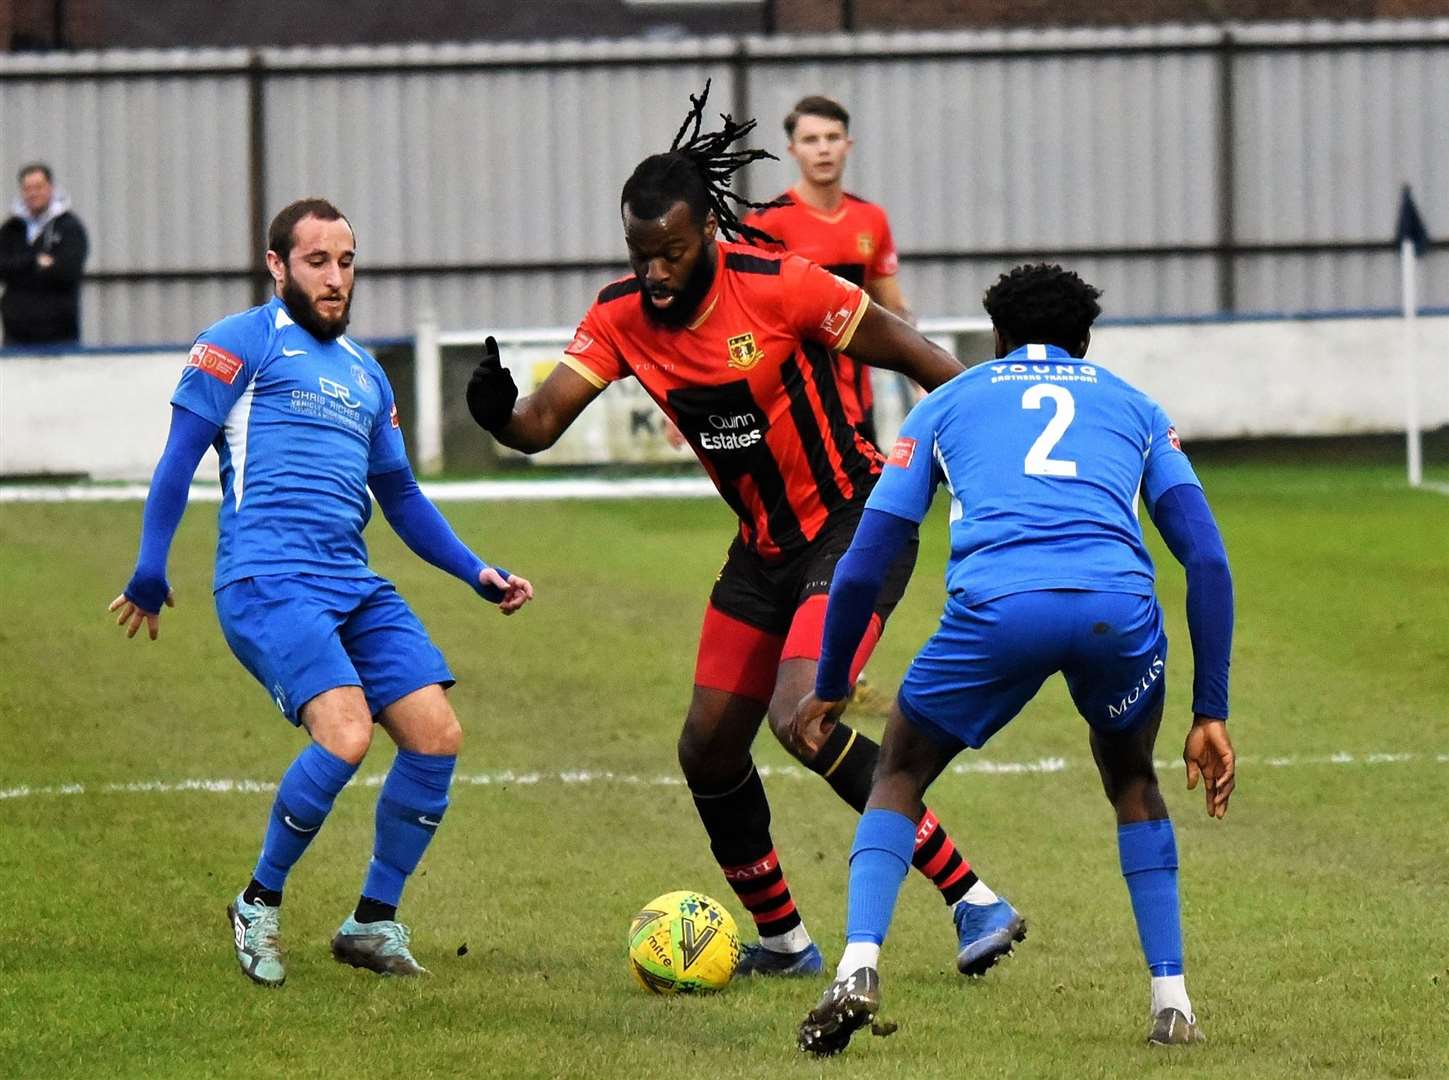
(147, 591)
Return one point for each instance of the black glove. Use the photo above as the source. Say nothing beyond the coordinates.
(491, 390)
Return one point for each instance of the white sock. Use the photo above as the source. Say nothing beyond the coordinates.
(858, 954)
(788, 942)
(979, 894)
(1170, 992)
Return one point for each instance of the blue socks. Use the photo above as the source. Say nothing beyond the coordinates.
(409, 810)
(879, 861)
(306, 794)
(1148, 851)
(885, 841)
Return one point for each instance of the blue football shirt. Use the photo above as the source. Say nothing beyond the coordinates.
(303, 424)
(1044, 456)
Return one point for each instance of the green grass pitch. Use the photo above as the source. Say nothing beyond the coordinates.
(1316, 915)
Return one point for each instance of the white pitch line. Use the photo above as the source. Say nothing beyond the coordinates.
(504, 777)
(533, 490)
(661, 487)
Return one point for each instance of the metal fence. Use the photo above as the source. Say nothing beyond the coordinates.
(1187, 170)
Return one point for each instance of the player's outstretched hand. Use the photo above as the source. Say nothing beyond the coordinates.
(131, 617)
(516, 591)
(1208, 753)
(491, 390)
(812, 724)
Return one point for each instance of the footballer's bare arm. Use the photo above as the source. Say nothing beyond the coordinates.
(888, 341)
(530, 423)
(541, 417)
(886, 291)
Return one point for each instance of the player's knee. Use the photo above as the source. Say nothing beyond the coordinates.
(1135, 796)
(432, 729)
(348, 739)
(693, 759)
(779, 720)
(703, 762)
(447, 736)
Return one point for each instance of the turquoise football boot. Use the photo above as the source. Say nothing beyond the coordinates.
(257, 940)
(377, 946)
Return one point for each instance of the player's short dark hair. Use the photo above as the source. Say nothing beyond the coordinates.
(816, 105)
(1043, 304)
(34, 166)
(282, 231)
(696, 171)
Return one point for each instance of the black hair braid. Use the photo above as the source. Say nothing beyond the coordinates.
(710, 154)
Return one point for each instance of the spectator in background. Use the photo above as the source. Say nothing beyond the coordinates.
(43, 250)
(842, 232)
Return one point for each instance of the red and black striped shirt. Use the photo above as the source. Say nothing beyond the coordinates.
(751, 385)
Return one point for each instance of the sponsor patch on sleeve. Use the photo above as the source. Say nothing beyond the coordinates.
(1173, 439)
(393, 416)
(902, 452)
(215, 361)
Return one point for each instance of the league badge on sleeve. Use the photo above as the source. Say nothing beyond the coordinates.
(835, 323)
(1173, 439)
(216, 362)
(902, 453)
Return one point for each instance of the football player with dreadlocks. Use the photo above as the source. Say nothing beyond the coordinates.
(737, 347)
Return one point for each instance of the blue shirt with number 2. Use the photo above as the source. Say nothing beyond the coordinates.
(1044, 456)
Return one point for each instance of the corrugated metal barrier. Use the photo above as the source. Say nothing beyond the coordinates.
(1187, 170)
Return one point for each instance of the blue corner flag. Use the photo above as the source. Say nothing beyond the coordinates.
(1411, 225)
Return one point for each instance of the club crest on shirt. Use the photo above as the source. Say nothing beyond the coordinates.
(865, 244)
(744, 354)
(902, 452)
(359, 373)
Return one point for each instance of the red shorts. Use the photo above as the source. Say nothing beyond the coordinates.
(761, 613)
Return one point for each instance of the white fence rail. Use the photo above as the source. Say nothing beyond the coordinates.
(106, 415)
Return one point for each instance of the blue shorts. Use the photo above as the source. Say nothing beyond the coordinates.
(984, 663)
(303, 634)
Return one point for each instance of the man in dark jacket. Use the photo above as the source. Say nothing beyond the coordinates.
(43, 250)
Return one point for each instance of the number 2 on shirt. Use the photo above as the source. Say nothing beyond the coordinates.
(1039, 461)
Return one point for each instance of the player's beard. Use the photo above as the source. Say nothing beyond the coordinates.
(686, 302)
(305, 315)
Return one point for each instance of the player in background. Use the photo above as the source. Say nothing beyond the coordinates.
(304, 423)
(735, 346)
(850, 237)
(1044, 457)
